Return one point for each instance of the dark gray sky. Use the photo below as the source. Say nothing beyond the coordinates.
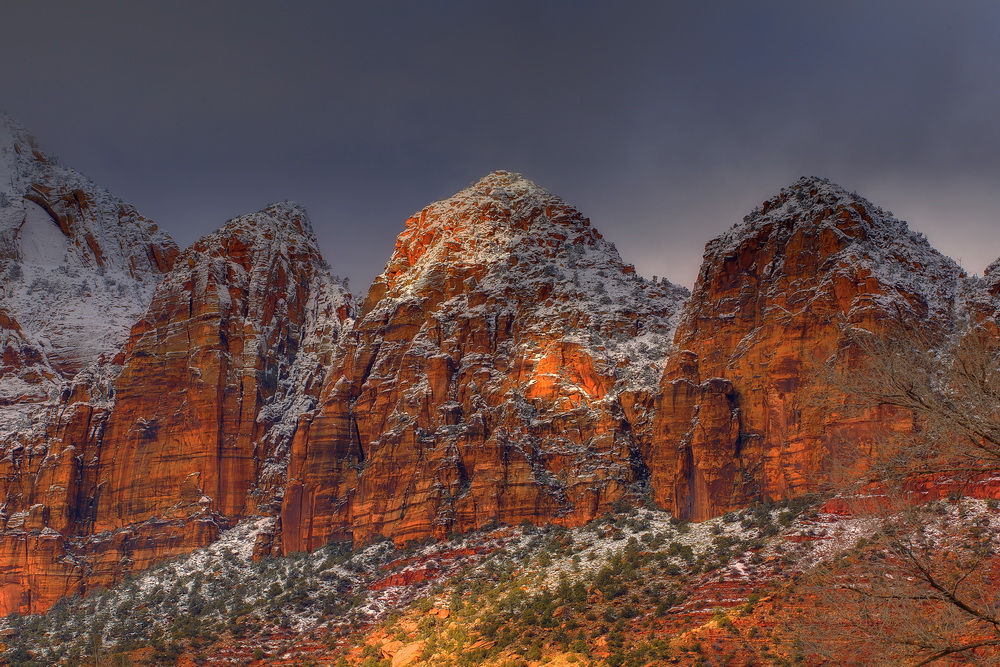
(665, 122)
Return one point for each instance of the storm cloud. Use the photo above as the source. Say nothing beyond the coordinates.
(665, 122)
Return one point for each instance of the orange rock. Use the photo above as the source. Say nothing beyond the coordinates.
(215, 349)
(188, 437)
(507, 366)
(740, 414)
(485, 379)
(390, 648)
(408, 654)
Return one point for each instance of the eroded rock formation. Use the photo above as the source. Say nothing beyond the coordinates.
(506, 366)
(150, 454)
(740, 413)
(487, 377)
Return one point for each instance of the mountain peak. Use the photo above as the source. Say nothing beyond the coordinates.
(818, 224)
(813, 204)
(503, 180)
(504, 240)
(812, 195)
(287, 209)
(12, 132)
(286, 214)
(79, 264)
(814, 182)
(505, 199)
(518, 194)
(277, 229)
(499, 222)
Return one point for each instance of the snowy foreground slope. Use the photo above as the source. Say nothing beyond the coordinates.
(634, 587)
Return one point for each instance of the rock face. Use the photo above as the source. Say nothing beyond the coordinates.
(740, 414)
(232, 348)
(188, 430)
(77, 268)
(982, 300)
(499, 370)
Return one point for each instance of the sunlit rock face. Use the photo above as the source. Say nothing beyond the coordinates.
(501, 369)
(506, 366)
(741, 414)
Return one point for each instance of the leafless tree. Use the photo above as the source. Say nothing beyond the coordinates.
(923, 587)
(947, 382)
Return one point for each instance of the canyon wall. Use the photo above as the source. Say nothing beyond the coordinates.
(506, 366)
(744, 411)
(136, 453)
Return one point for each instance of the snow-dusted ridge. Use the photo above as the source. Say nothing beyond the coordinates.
(270, 262)
(900, 259)
(78, 266)
(74, 280)
(529, 248)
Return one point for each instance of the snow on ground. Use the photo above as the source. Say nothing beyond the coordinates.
(339, 589)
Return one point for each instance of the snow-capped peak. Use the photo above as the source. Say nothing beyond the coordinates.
(505, 185)
(848, 234)
(12, 133)
(497, 223)
(77, 268)
(507, 242)
(281, 226)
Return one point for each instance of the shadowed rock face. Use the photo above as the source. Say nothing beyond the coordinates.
(495, 374)
(739, 415)
(77, 268)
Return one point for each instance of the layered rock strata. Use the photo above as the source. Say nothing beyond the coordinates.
(77, 268)
(506, 366)
(499, 370)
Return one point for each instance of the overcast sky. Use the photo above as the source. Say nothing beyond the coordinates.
(665, 122)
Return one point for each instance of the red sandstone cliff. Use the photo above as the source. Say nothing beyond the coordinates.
(188, 431)
(497, 372)
(77, 268)
(211, 369)
(739, 415)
